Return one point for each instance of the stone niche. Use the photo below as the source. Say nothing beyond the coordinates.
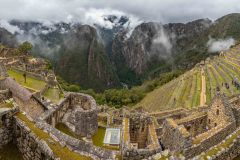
(81, 116)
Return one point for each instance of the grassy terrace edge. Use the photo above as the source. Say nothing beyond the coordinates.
(63, 153)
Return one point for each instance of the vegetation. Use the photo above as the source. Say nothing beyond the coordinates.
(31, 83)
(53, 94)
(25, 47)
(228, 141)
(99, 137)
(121, 97)
(185, 91)
(63, 128)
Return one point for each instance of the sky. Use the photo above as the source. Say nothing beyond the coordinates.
(88, 11)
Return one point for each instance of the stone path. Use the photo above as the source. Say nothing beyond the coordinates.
(203, 91)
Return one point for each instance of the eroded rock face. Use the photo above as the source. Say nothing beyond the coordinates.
(155, 41)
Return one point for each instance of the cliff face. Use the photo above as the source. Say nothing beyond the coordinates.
(82, 59)
(155, 42)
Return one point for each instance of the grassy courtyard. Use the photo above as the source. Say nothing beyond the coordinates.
(31, 83)
(98, 137)
(54, 95)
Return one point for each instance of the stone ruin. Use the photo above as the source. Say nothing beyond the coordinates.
(139, 137)
(81, 116)
(173, 134)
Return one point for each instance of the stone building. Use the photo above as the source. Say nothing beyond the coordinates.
(220, 112)
(139, 137)
(175, 137)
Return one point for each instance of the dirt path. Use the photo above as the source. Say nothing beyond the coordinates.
(203, 91)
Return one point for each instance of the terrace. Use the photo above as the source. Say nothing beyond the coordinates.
(32, 84)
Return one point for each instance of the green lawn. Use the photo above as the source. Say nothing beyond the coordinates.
(53, 94)
(32, 83)
(99, 137)
(63, 128)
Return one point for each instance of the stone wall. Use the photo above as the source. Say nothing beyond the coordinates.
(230, 153)
(210, 141)
(134, 154)
(6, 126)
(78, 111)
(31, 107)
(220, 112)
(14, 130)
(29, 144)
(195, 124)
(175, 137)
(77, 145)
(236, 112)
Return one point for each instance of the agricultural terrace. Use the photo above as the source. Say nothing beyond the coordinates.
(186, 91)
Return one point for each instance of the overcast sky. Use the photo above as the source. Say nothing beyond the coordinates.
(89, 10)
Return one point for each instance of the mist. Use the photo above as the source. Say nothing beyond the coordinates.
(10, 28)
(217, 45)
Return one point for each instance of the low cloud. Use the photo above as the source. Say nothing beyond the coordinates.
(10, 28)
(151, 10)
(161, 43)
(217, 45)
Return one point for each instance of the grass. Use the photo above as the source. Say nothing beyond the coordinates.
(226, 144)
(185, 91)
(63, 128)
(208, 85)
(221, 80)
(10, 152)
(32, 83)
(196, 97)
(98, 137)
(153, 102)
(54, 95)
(62, 152)
(212, 81)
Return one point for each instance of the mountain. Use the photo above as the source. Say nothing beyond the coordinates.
(104, 56)
(82, 59)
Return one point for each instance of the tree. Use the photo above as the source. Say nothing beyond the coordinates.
(25, 47)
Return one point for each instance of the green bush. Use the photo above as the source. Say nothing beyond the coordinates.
(122, 97)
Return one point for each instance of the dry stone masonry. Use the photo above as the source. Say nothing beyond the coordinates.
(27, 120)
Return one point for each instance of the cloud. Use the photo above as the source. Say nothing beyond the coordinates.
(151, 10)
(217, 45)
(162, 39)
(10, 28)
